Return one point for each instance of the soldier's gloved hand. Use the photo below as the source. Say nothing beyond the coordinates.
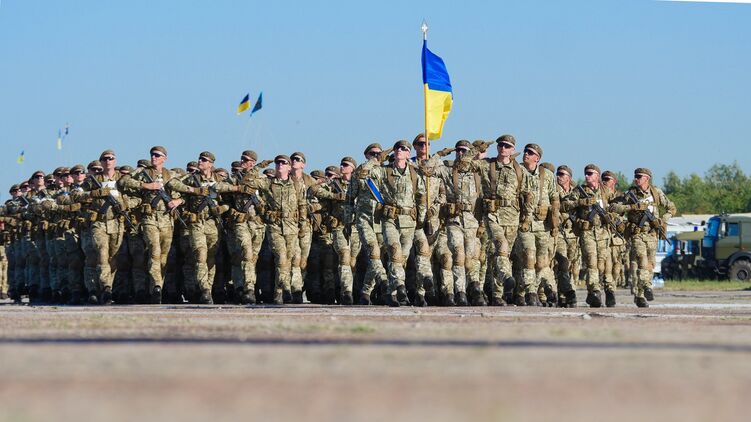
(525, 226)
(446, 151)
(100, 193)
(202, 191)
(246, 189)
(639, 206)
(586, 202)
(341, 196)
(656, 223)
(385, 154)
(263, 164)
(430, 213)
(47, 205)
(554, 232)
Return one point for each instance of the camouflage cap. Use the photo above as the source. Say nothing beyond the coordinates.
(566, 169)
(221, 170)
(643, 170)
(14, 188)
(144, 164)
(178, 170)
(126, 169)
(36, 173)
(207, 156)
(249, 154)
(608, 173)
(269, 173)
(402, 143)
(281, 158)
(506, 139)
(374, 145)
(60, 171)
(419, 138)
(332, 170)
(96, 164)
(159, 149)
(107, 152)
(49, 178)
(548, 166)
(78, 168)
(191, 166)
(591, 167)
(534, 147)
(24, 184)
(317, 174)
(351, 161)
(236, 165)
(299, 155)
(463, 143)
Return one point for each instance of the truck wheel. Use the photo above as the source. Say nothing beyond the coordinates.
(740, 270)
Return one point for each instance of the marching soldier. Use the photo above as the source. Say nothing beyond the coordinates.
(566, 243)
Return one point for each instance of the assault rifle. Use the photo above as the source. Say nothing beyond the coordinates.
(597, 210)
(647, 217)
(111, 201)
(161, 195)
(209, 201)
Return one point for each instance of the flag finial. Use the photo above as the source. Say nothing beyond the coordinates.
(424, 29)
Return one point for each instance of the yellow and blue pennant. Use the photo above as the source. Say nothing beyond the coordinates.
(438, 96)
(244, 104)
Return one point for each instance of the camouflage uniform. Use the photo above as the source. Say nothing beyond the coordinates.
(566, 254)
(644, 238)
(430, 239)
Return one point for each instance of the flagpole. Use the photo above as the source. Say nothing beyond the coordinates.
(424, 28)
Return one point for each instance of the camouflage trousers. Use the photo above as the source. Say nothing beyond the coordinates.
(60, 280)
(3, 270)
(398, 241)
(106, 238)
(89, 263)
(285, 247)
(618, 251)
(131, 267)
(371, 240)
(20, 276)
(566, 254)
(190, 282)
(37, 262)
(157, 239)
(344, 252)
(52, 276)
(425, 247)
(464, 244)
(535, 255)
(502, 239)
(204, 241)
(305, 239)
(596, 259)
(644, 248)
(74, 261)
(244, 243)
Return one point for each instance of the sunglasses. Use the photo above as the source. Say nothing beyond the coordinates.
(607, 178)
(373, 153)
(108, 158)
(38, 176)
(13, 190)
(529, 152)
(204, 160)
(97, 169)
(246, 159)
(561, 174)
(638, 176)
(281, 162)
(156, 154)
(590, 173)
(344, 164)
(296, 158)
(419, 144)
(505, 146)
(461, 150)
(75, 173)
(402, 148)
(330, 175)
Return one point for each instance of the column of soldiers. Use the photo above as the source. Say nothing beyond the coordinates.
(398, 229)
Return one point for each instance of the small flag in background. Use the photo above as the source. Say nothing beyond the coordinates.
(60, 139)
(21, 157)
(438, 94)
(258, 105)
(244, 104)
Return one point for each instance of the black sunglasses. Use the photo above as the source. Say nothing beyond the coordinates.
(505, 146)
(529, 152)
(156, 154)
(281, 162)
(204, 160)
(638, 176)
(590, 173)
(461, 150)
(561, 174)
(38, 176)
(402, 148)
(607, 178)
(246, 159)
(419, 144)
(108, 158)
(296, 158)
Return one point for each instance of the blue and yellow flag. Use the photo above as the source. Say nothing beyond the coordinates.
(21, 158)
(59, 140)
(438, 97)
(244, 104)
(258, 105)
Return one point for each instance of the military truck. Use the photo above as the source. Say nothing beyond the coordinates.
(726, 247)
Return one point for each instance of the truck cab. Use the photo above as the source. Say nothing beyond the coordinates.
(725, 247)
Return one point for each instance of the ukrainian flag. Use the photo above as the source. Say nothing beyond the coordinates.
(438, 97)
(244, 104)
(21, 158)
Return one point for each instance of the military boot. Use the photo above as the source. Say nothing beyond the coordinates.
(142, 297)
(206, 298)
(75, 299)
(519, 300)
(532, 299)
(609, 298)
(497, 301)
(287, 296)
(641, 302)
(57, 298)
(552, 300)
(509, 284)
(449, 300)
(93, 299)
(477, 297)
(431, 298)
(364, 300)
(247, 297)
(346, 299)
(329, 297)
(648, 294)
(594, 299)
(278, 297)
(461, 299)
(34, 296)
(156, 295)
(420, 300)
(106, 298)
(297, 297)
(401, 296)
(391, 300)
(571, 299)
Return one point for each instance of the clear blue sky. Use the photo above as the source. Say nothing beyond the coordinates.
(620, 83)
